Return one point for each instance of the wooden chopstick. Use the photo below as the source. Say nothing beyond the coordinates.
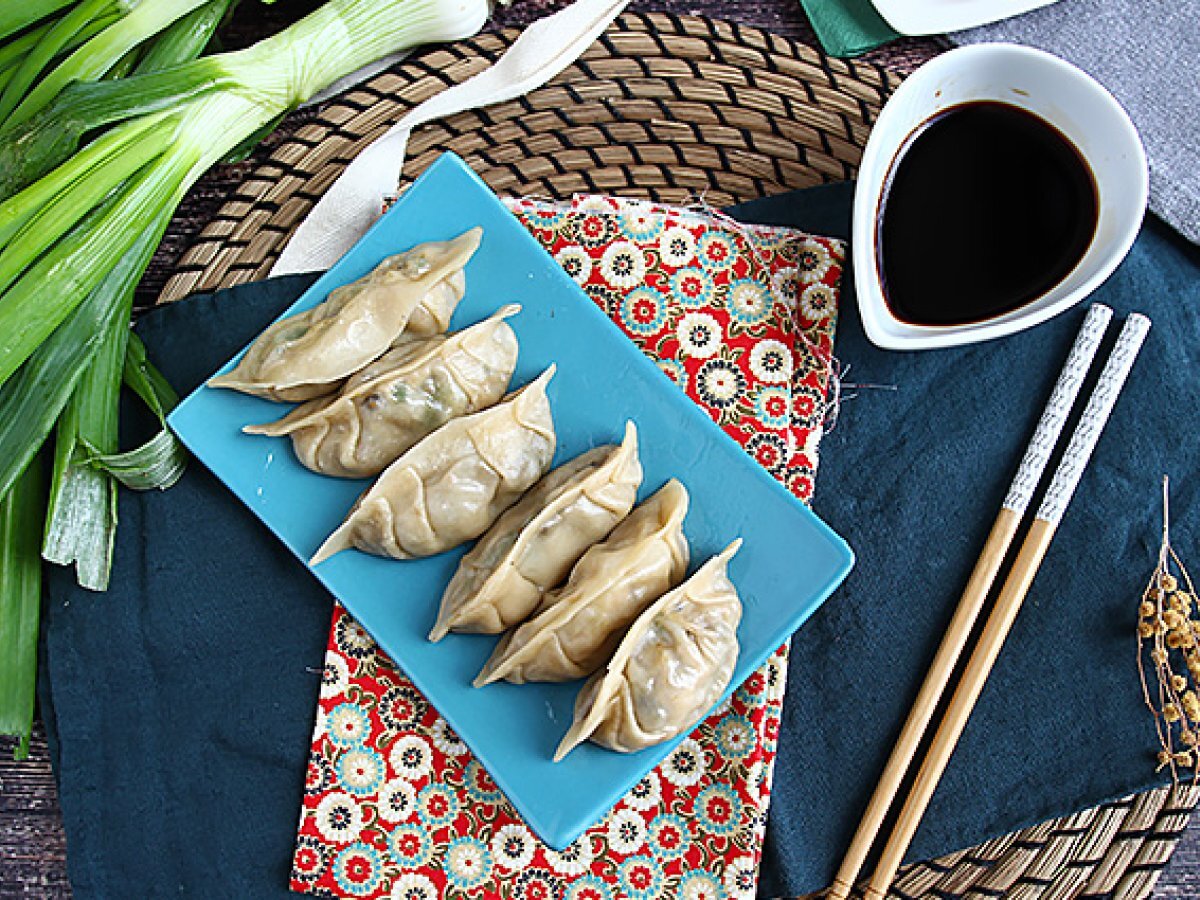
(1016, 585)
(1029, 474)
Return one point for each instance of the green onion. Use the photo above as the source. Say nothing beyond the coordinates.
(21, 513)
(18, 14)
(187, 38)
(34, 397)
(95, 58)
(54, 41)
(14, 51)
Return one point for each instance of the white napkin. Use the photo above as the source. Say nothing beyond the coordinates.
(353, 202)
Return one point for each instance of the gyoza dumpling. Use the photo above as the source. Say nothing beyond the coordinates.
(310, 354)
(532, 547)
(404, 395)
(452, 485)
(577, 627)
(668, 671)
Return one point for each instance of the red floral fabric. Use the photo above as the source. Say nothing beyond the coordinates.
(742, 319)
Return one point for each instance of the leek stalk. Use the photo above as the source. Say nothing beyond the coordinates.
(15, 16)
(55, 40)
(186, 38)
(20, 603)
(95, 58)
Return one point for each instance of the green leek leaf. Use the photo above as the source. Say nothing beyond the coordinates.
(20, 602)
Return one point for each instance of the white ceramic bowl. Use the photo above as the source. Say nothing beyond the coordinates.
(1072, 101)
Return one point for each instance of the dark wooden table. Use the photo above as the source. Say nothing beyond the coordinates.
(32, 844)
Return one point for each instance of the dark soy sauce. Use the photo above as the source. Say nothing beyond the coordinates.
(986, 208)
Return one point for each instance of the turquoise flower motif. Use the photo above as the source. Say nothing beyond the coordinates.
(675, 370)
(668, 837)
(718, 809)
(468, 862)
(643, 311)
(641, 878)
(436, 806)
(358, 870)
(589, 887)
(701, 885)
(772, 407)
(411, 846)
(640, 222)
(717, 250)
(347, 725)
(361, 771)
(748, 302)
(694, 287)
(479, 784)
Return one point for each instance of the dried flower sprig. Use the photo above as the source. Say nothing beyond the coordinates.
(1168, 631)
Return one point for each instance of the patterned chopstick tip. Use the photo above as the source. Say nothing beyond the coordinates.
(1058, 407)
(1095, 416)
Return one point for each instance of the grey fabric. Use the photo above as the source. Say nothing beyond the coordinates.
(1146, 52)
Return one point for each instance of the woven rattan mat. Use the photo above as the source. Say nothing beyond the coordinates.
(676, 109)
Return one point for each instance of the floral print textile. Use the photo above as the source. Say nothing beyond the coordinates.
(741, 318)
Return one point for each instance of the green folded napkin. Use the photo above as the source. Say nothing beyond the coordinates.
(848, 27)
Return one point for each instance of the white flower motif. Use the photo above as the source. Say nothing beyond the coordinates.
(574, 860)
(816, 302)
(783, 286)
(321, 726)
(353, 639)
(397, 801)
(339, 818)
(748, 301)
(623, 264)
(700, 886)
(699, 335)
(512, 847)
(646, 794)
(771, 362)
(336, 676)
(814, 260)
(445, 739)
(677, 246)
(411, 757)
(576, 262)
(347, 725)
(741, 879)
(413, 886)
(685, 766)
(361, 770)
(719, 382)
(594, 203)
(467, 860)
(626, 831)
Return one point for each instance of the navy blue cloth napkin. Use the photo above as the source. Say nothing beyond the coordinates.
(180, 704)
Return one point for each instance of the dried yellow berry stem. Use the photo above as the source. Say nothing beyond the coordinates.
(1166, 634)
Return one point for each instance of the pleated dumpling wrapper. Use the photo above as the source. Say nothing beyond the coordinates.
(669, 669)
(400, 398)
(578, 626)
(534, 544)
(453, 485)
(311, 353)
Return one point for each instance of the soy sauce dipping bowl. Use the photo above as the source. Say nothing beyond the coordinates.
(1055, 91)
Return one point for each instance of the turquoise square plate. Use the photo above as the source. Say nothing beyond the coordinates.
(790, 562)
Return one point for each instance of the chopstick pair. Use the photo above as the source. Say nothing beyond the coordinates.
(1008, 603)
